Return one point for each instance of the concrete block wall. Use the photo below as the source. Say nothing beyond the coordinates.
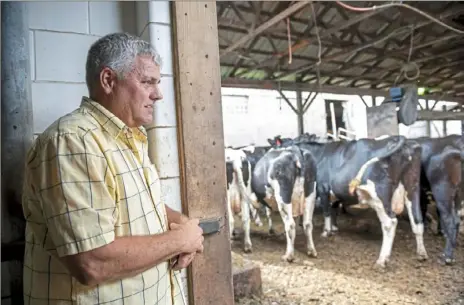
(61, 33)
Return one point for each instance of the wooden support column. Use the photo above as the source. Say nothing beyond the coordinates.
(201, 145)
(16, 138)
(300, 111)
(445, 131)
(429, 124)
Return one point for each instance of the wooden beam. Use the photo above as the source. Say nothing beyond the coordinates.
(291, 10)
(199, 115)
(292, 86)
(429, 115)
(394, 32)
(287, 101)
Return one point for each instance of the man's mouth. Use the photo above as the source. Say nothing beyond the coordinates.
(149, 106)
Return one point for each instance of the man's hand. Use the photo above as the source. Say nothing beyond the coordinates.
(183, 261)
(191, 236)
(175, 216)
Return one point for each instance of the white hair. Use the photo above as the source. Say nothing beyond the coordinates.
(118, 52)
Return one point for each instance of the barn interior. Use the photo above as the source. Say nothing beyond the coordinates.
(356, 48)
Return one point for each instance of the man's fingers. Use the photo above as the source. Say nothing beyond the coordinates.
(184, 261)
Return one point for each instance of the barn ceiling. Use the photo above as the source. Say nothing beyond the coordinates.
(376, 49)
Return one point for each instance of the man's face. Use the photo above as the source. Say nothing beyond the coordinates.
(135, 95)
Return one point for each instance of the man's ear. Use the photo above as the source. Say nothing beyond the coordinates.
(107, 80)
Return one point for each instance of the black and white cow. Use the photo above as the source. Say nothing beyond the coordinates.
(382, 173)
(238, 172)
(442, 175)
(284, 179)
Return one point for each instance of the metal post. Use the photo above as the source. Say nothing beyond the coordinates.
(17, 133)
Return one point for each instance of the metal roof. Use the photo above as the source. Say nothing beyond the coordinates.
(358, 49)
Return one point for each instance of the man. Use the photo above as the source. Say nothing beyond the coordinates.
(96, 231)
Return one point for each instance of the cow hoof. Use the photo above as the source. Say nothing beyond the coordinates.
(312, 253)
(446, 261)
(326, 234)
(247, 250)
(334, 229)
(272, 232)
(288, 258)
(380, 265)
(422, 257)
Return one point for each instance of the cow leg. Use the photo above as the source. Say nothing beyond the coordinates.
(449, 222)
(310, 203)
(368, 194)
(285, 210)
(335, 211)
(327, 212)
(269, 220)
(246, 226)
(417, 223)
(283, 197)
(255, 216)
(231, 218)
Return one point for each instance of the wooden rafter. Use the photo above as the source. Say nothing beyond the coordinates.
(343, 32)
(290, 10)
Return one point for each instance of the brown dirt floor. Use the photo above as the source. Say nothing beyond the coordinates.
(343, 272)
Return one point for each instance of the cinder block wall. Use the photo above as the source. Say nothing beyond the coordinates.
(61, 33)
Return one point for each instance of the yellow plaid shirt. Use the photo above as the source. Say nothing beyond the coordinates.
(89, 179)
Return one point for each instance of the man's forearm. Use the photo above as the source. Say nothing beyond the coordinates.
(174, 216)
(125, 257)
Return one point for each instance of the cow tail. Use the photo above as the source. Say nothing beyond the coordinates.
(241, 183)
(357, 180)
(460, 144)
(299, 160)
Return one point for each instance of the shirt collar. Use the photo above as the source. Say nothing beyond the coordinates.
(111, 123)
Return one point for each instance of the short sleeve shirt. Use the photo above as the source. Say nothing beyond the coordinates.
(88, 180)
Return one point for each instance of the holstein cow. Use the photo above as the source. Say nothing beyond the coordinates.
(382, 173)
(284, 179)
(238, 172)
(442, 175)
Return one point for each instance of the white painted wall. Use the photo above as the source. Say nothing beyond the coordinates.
(61, 34)
(251, 116)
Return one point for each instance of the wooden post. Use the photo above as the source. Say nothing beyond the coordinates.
(201, 145)
(300, 112)
(429, 124)
(445, 131)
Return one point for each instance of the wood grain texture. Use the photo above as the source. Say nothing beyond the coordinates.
(201, 144)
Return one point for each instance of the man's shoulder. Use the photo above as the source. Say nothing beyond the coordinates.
(76, 123)
(73, 127)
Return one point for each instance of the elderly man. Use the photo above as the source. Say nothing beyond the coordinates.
(96, 231)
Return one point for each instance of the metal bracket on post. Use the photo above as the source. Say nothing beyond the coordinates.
(210, 226)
